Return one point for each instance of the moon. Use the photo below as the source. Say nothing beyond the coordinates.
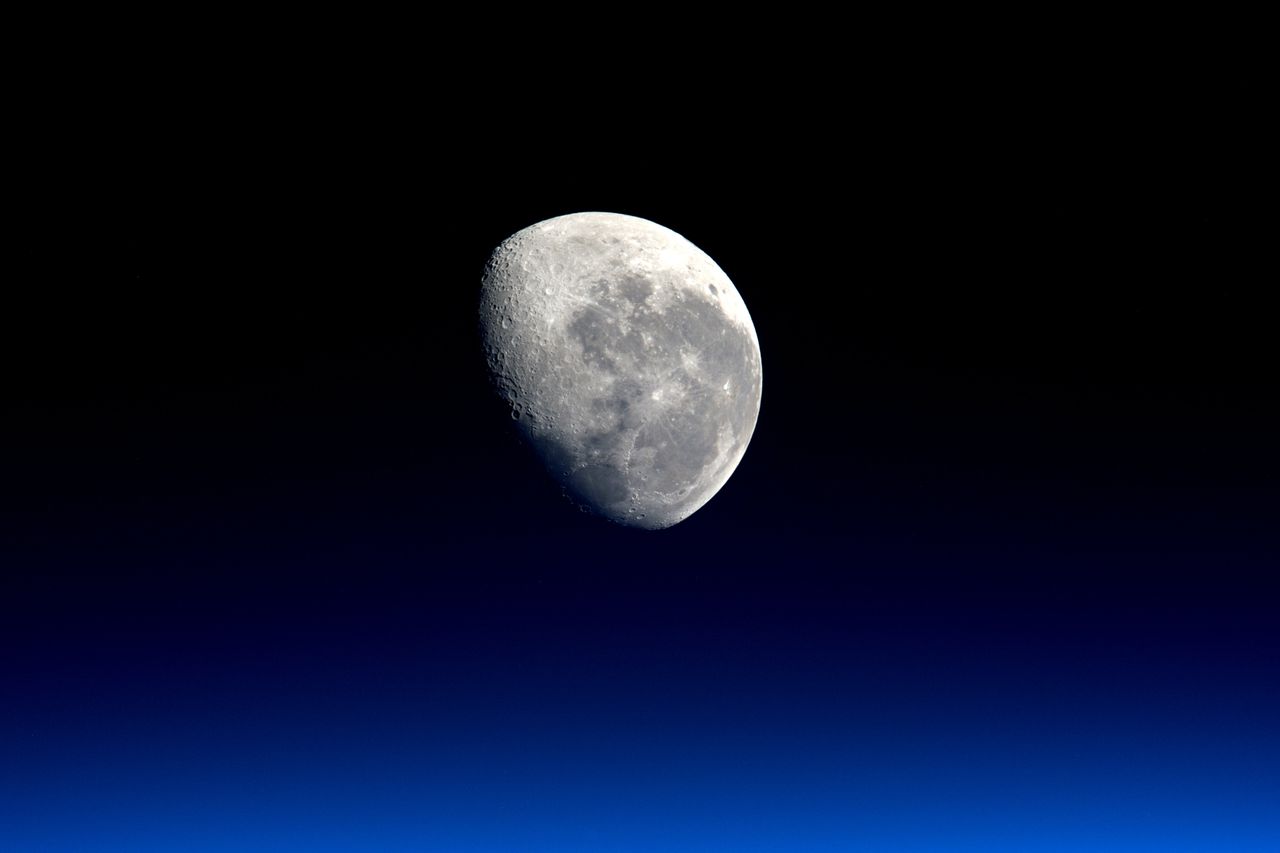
(628, 360)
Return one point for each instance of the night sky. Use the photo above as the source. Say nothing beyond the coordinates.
(999, 570)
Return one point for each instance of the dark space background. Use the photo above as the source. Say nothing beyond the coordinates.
(998, 571)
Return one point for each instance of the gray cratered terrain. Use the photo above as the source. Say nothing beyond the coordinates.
(628, 360)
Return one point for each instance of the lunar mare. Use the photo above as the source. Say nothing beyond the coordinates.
(628, 360)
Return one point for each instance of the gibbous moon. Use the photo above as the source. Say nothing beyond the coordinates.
(628, 360)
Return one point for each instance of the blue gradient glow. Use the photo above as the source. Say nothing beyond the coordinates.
(573, 714)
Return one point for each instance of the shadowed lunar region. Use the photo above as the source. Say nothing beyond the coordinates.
(628, 360)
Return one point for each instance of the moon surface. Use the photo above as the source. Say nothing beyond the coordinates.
(628, 360)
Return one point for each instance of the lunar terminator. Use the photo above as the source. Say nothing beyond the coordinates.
(628, 359)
